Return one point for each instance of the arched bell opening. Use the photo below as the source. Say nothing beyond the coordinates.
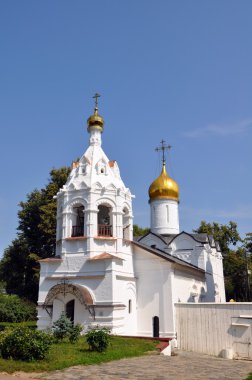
(104, 220)
(78, 221)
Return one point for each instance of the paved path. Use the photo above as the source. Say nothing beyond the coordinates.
(183, 366)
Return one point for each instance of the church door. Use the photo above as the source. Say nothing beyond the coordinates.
(70, 310)
(155, 327)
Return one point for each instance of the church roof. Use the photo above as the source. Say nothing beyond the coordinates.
(202, 238)
(167, 256)
(105, 256)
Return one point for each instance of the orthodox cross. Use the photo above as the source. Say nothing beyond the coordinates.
(96, 96)
(64, 282)
(162, 148)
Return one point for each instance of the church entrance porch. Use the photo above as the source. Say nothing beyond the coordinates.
(74, 300)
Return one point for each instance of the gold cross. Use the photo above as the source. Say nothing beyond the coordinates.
(96, 96)
(163, 147)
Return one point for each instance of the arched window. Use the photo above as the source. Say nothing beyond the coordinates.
(78, 224)
(104, 221)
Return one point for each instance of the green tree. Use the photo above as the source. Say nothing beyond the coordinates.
(139, 231)
(226, 235)
(19, 268)
(248, 242)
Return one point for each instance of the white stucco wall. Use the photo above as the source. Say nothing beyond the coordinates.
(212, 328)
(154, 294)
(164, 216)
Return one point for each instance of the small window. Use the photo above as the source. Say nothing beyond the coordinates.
(130, 306)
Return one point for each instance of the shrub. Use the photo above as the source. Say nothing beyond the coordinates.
(98, 339)
(75, 333)
(15, 309)
(64, 328)
(25, 344)
(3, 335)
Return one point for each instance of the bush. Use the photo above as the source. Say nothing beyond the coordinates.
(30, 324)
(64, 328)
(3, 335)
(25, 344)
(15, 309)
(75, 333)
(98, 339)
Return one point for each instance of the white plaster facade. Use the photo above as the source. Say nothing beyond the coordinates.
(100, 275)
(164, 216)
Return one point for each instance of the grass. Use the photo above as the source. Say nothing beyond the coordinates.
(65, 354)
(249, 377)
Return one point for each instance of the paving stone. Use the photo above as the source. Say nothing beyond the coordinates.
(183, 366)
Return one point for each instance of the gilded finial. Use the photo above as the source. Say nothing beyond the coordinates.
(95, 121)
(164, 187)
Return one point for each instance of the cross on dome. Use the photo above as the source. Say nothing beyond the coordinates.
(96, 96)
(163, 147)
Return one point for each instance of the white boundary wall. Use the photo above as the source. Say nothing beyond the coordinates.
(219, 329)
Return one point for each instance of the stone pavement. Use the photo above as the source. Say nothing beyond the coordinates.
(183, 366)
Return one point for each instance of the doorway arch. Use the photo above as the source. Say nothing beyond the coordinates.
(70, 310)
(155, 327)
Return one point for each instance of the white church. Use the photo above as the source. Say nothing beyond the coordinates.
(101, 275)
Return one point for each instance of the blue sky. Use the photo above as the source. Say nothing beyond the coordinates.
(174, 70)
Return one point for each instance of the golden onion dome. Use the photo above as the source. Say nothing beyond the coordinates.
(95, 121)
(164, 187)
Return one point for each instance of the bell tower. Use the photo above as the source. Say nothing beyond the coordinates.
(94, 209)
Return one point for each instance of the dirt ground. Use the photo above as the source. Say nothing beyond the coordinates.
(19, 375)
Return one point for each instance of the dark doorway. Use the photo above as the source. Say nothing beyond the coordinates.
(70, 310)
(155, 327)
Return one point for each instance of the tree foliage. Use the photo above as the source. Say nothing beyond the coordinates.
(14, 309)
(139, 231)
(226, 235)
(36, 237)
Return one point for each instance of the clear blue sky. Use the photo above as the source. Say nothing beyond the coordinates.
(174, 70)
